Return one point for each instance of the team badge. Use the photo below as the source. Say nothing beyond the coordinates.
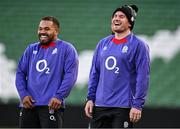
(125, 49)
(54, 51)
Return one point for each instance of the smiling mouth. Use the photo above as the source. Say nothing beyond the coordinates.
(43, 37)
(117, 24)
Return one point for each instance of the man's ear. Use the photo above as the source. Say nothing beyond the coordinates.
(57, 31)
(130, 25)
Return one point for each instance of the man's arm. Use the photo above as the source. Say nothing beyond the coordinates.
(142, 82)
(21, 76)
(94, 76)
(21, 81)
(70, 74)
(143, 75)
(92, 85)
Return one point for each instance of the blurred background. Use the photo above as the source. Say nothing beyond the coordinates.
(84, 23)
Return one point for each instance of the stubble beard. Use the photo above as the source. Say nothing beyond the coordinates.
(45, 42)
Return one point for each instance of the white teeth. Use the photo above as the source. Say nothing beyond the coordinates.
(117, 24)
(43, 36)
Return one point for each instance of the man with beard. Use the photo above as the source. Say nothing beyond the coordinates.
(45, 76)
(119, 75)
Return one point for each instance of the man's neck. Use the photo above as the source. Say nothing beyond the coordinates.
(122, 35)
(55, 38)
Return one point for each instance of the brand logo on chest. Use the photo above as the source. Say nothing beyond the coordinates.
(105, 48)
(35, 52)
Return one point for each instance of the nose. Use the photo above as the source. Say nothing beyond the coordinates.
(116, 19)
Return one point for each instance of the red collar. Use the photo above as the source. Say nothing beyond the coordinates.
(119, 41)
(51, 44)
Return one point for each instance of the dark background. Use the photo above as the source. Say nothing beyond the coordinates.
(74, 117)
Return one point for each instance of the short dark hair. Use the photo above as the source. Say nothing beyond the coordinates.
(53, 19)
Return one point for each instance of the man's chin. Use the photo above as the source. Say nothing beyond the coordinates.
(44, 42)
(117, 31)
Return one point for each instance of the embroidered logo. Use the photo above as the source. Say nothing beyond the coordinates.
(105, 48)
(52, 117)
(125, 49)
(54, 51)
(35, 52)
(126, 124)
(20, 114)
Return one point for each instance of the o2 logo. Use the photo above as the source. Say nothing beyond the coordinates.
(41, 66)
(113, 66)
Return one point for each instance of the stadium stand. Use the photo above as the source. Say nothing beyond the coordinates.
(84, 23)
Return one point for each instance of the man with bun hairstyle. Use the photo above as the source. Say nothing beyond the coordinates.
(119, 75)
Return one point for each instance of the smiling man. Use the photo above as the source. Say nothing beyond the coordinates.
(45, 76)
(48, 31)
(119, 75)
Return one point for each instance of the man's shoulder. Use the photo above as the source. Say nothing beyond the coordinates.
(107, 38)
(64, 43)
(137, 39)
(33, 44)
(140, 43)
